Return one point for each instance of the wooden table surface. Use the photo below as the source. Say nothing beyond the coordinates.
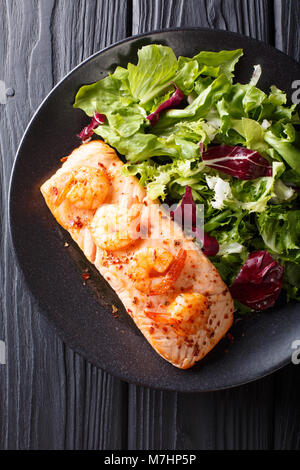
(50, 397)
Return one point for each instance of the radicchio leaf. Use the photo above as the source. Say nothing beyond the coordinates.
(172, 102)
(237, 161)
(259, 282)
(87, 133)
(211, 246)
(186, 213)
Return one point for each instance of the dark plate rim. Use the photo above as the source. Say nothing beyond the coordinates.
(62, 335)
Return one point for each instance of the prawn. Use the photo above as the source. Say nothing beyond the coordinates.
(155, 270)
(114, 227)
(187, 314)
(86, 188)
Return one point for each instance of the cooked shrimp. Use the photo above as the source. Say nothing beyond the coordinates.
(115, 227)
(187, 314)
(85, 187)
(155, 270)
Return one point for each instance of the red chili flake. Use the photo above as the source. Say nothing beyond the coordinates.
(85, 276)
(230, 337)
(77, 223)
(188, 288)
(54, 190)
(63, 160)
(151, 330)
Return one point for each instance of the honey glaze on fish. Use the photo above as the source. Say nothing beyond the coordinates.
(168, 286)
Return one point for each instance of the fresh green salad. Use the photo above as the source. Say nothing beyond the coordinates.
(186, 123)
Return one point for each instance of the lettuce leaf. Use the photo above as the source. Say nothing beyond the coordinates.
(289, 152)
(280, 231)
(156, 67)
(107, 95)
(251, 196)
(218, 63)
(200, 106)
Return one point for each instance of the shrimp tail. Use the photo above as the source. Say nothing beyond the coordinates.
(162, 286)
(160, 317)
(64, 191)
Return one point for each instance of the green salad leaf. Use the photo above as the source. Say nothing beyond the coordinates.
(243, 215)
(156, 67)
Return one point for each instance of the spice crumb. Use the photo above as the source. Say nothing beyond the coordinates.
(114, 311)
(85, 276)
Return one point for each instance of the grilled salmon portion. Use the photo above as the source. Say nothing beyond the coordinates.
(167, 285)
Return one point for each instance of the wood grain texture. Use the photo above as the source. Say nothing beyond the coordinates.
(286, 409)
(50, 398)
(287, 31)
(250, 17)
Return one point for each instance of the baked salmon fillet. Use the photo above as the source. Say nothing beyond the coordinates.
(167, 285)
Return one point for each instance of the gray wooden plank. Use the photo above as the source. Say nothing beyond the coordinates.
(250, 17)
(50, 398)
(287, 31)
(225, 420)
(287, 410)
(238, 419)
(151, 417)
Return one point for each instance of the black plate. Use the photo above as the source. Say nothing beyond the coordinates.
(82, 314)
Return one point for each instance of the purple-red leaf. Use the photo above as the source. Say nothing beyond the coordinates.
(259, 282)
(172, 102)
(186, 216)
(87, 133)
(237, 161)
(211, 245)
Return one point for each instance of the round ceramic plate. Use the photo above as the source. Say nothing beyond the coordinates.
(82, 314)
